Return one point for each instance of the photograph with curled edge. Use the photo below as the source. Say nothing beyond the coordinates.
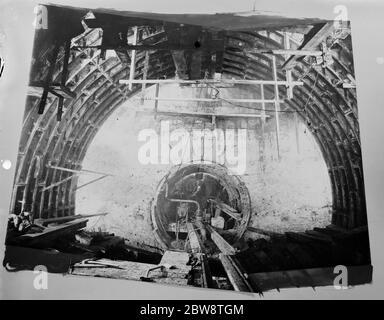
(218, 151)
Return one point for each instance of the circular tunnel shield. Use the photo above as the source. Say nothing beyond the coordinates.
(198, 183)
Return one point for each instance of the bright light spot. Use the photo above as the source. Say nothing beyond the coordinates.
(6, 164)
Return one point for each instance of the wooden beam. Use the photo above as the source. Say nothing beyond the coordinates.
(213, 45)
(207, 275)
(214, 100)
(89, 182)
(277, 107)
(210, 81)
(288, 52)
(81, 171)
(156, 101)
(48, 78)
(288, 73)
(226, 208)
(58, 183)
(60, 108)
(205, 114)
(145, 73)
(132, 68)
(312, 40)
(221, 243)
(237, 279)
(349, 86)
(36, 89)
(194, 239)
(45, 222)
(64, 72)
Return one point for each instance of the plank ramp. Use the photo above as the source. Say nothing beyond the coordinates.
(220, 242)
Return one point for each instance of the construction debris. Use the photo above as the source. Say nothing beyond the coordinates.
(45, 222)
(67, 236)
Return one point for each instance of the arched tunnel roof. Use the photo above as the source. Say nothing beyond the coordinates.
(92, 92)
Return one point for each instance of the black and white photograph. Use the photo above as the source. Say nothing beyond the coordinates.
(219, 151)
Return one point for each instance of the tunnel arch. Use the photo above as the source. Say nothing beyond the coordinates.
(236, 190)
(332, 119)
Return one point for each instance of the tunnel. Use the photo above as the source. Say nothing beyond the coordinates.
(330, 116)
(201, 184)
(290, 193)
(131, 115)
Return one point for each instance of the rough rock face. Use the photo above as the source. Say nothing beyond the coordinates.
(290, 194)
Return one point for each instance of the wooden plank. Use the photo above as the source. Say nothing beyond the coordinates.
(237, 280)
(51, 233)
(194, 239)
(289, 52)
(210, 81)
(145, 73)
(60, 108)
(157, 89)
(288, 73)
(48, 79)
(277, 107)
(311, 41)
(45, 222)
(172, 228)
(178, 259)
(240, 100)
(132, 68)
(64, 72)
(206, 114)
(207, 276)
(227, 209)
(90, 182)
(37, 89)
(213, 45)
(58, 183)
(223, 245)
(134, 271)
(81, 171)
